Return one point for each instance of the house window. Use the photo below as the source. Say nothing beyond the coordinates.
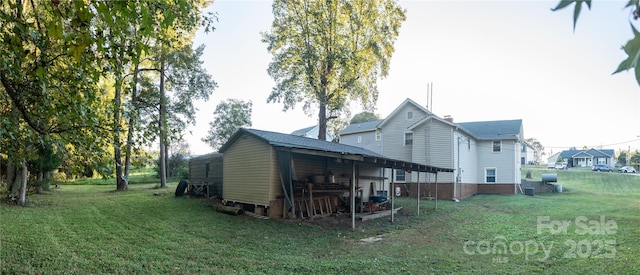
(408, 138)
(497, 146)
(409, 115)
(490, 175)
(359, 139)
(378, 134)
(468, 144)
(401, 175)
(206, 170)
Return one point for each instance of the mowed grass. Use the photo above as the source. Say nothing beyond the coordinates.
(86, 229)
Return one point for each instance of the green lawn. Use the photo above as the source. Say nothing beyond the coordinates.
(92, 229)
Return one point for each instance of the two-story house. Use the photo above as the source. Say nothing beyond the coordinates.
(486, 155)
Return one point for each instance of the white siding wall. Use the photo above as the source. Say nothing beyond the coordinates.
(506, 162)
(468, 160)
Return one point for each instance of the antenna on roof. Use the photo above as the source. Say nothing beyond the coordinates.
(429, 96)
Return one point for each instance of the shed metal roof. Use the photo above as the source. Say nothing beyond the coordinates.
(305, 145)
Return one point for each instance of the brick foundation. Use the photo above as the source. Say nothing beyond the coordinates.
(464, 190)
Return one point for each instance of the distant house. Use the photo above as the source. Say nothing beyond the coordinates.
(553, 159)
(585, 158)
(365, 135)
(486, 155)
(311, 132)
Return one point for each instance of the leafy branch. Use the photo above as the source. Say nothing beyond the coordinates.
(631, 48)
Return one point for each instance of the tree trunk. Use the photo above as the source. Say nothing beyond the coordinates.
(22, 199)
(162, 125)
(132, 121)
(121, 183)
(322, 121)
(13, 180)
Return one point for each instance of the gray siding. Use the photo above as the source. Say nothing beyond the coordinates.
(433, 146)
(393, 131)
(206, 169)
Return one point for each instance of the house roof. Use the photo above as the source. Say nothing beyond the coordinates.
(596, 153)
(361, 127)
(498, 129)
(314, 145)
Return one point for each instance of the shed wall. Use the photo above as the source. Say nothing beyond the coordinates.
(250, 171)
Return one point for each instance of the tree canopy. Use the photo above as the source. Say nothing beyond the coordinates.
(363, 117)
(330, 53)
(230, 115)
(66, 68)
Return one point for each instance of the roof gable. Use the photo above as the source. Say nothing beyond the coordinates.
(596, 153)
(498, 129)
(398, 109)
(601, 153)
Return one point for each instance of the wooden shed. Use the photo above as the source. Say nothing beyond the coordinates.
(286, 176)
(205, 174)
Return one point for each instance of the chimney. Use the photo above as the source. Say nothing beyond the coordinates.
(448, 118)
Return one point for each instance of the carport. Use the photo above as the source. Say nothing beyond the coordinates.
(265, 171)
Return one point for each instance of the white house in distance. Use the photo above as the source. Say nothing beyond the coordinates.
(311, 132)
(486, 155)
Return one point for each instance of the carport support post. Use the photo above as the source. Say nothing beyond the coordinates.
(392, 190)
(418, 193)
(436, 190)
(353, 197)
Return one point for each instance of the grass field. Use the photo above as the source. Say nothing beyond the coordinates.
(87, 229)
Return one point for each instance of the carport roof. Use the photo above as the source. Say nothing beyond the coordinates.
(304, 145)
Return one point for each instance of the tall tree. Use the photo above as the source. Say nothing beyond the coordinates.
(230, 115)
(48, 72)
(538, 149)
(139, 29)
(329, 53)
(631, 48)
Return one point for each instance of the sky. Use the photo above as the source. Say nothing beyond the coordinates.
(486, 60)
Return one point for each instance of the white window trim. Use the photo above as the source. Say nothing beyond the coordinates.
(404, 136)
(495, 175)
(378, 134)
(493, 151)
(359, 139)
(409, 115)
